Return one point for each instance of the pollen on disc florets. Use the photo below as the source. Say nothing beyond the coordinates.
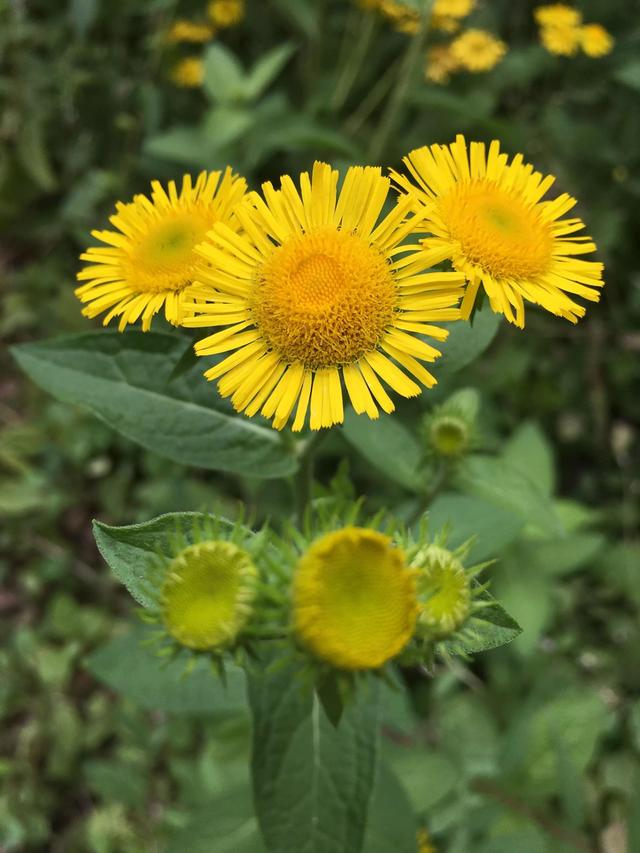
(207, 593)
(354, 599)
(444, 592)
(497, 232)
(324, 298)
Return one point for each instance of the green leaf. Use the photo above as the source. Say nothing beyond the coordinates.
(33, 151)
(312, 782)
(185, 145)
(266, 69)
(629, 74)
(493, 527)
(427, 775)
(83, 15)
(226, 825)
(562, 556)
(528, 595)
(488, 628)
(570, 784)
(466, 341)
(529, 451)
(498, 482)
(125, 380)
(226, 124)
(132, 551)
(301, 13)
(133, 669)
(388, 445)
(392, 823)
(223, 74)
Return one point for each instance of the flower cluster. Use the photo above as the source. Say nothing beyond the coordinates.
(473, 50)
(308, 290)
(188, 72)
(562, 32)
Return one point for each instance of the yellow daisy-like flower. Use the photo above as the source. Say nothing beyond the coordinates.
(226, 13)
(487, 216)
(444, 592)
(315, 288)
(354, 599)
(477, 50)
(207, 593)
(563, 41)
(150, 259)
(441, 63)
(558, 15)
(188, 73)
(595, 40)
(189, 31)
(453, 8)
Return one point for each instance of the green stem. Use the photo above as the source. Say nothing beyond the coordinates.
(303, 480)
(391, 116)
(372, 100)
(354, 56)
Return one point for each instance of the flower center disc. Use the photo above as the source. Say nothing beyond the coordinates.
(354, 599)
(324, 298)
(497, 232)
(165, 258)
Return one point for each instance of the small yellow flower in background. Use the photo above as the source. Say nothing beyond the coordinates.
(563, 41)
(226, 13)
(404, 18)
(207, 593)
(315, 289)
(188, 73)
(354, 599)
(441, 63)
(477, 50)
(453, 8)
(487, 216)
(558, 15)
(444, 592)
(424, 842)
(595, 40)
(149, 260)
(189, 31)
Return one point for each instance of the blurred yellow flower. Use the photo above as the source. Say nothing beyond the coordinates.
(561, 40)
(226, 13)
(207, 593)
(319, 289)
(189, 31)
(354, 599)
(441, 63)
(424, 842)
(477, 50)
(445, 23)
(595, 40)
(453, 8)
(558, 15)
(188, 73)
(487, 216)
(150, 259)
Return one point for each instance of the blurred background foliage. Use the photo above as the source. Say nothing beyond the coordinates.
(533, 748)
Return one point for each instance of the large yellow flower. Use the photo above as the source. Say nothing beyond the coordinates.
(354, 599)
(149, 260)
(477, 50)
(487, 216)
(315, 288)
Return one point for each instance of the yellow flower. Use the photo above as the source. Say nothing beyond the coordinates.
(440, 64)
(207, 593)
(444, 592)
(424, 842)
(188, 73)
(226, 13)
(354, 599)
(477, 50)
(315, 289)
(563, 41)
(558, 15)
(445, 23)
(595, 40)
(189, 31)
(453, 8)
(487, 216)
(149, 259)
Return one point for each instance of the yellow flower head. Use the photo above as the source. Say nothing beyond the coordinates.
(446, 24)
(188, 73)
(316, 289)
(453, 8)
(354, 599)
(595, 40)
(487, 216)
(207, 593)
(424, 842)
(440, 64)
(189, 31)
(444, 592)
(558, 15)
(563, 41)
(226, 13)
(149, 260)
(477, 50)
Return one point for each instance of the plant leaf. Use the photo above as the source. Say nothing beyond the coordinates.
(486, 629)
(466, 341)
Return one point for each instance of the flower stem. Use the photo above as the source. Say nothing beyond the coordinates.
(303, 479)
(354, 56)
